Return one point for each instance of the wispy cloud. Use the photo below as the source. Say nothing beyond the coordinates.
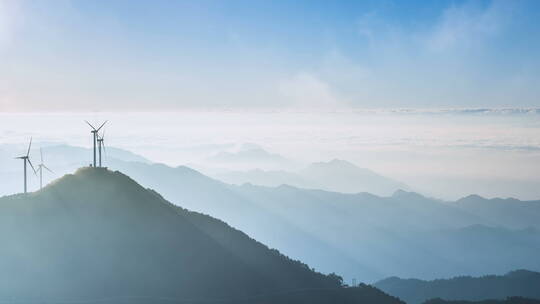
(447, 61)
(468, 25)
(306, 89)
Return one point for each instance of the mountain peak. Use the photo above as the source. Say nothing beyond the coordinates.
(93, 179)
(91, 173)
(339, 166)
(471, 198)
(337, 163)
(406, 194)
(344, 176)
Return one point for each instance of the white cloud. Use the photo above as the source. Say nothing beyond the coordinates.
(397, 59)
(468, 25)
(307, 90)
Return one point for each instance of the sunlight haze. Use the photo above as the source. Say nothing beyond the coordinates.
(278, 151)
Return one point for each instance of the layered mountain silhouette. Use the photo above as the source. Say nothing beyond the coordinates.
(519, 283)
(98, 236)
(250, 156)
(343, 176)
(361, 235)
(335, 175)
(509, 300)
(509, 212)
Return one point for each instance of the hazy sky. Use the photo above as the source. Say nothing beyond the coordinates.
(447, 154)
(161, 55)
(292, 76)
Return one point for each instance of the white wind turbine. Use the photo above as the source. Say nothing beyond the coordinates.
(26, 159)
(42, 166)
(95, 134)
(101, 144)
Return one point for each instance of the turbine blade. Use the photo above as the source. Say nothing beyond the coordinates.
(32, 165)
(102, 125)
(29, 145)
(41, 154)
(90, 124)
(48, 169)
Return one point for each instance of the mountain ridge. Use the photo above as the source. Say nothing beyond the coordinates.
(318, 226)
(335, 175)
(516, 283)
(99, 234)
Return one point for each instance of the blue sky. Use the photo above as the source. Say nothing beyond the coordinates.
(171, 55)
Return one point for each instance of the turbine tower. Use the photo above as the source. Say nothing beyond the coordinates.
(40, 169)
(101, 144)
(95, 134)
(26, 158)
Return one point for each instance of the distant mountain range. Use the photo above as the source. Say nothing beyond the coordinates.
(252, 164)
(520, 283)
(336, 175)
(98, 236)
(509, 300)
(509, 212)
(250, 156)
(361, 235)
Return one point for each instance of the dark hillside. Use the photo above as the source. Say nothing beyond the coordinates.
(521, 283)
(511, 300)
(98, 234)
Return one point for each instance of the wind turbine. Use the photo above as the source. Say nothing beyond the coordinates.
(101, 144)
(26, 158)
(40, 169)
(95, 133)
